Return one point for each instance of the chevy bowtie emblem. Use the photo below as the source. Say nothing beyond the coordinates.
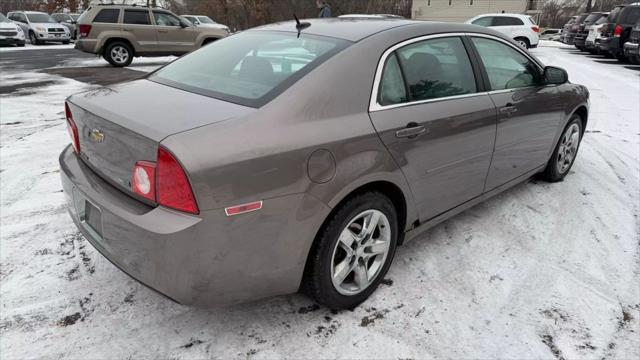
(96, 135)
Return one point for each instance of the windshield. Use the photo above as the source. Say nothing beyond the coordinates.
(40, 18)
(602, 20)
(613, 16)
(75, 16)
(3, 18)
(250, 68)
(205, 20)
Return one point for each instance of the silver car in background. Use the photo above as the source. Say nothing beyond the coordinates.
(69, 21)
(10, 33)
(40, 27)
(205, 21)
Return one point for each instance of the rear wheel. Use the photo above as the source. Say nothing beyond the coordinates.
(524, 42)
(352, 252)
(622, 58)
(118, 54)
(565, 152)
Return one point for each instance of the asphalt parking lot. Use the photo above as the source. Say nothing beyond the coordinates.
(540, 271)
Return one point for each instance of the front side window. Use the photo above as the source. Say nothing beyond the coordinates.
(107, 16)
(506, 67)
(392, 87)
(483, 21)
(437, 68)
(506, 21)
(136, 17)
(165, 19)
(249, 68)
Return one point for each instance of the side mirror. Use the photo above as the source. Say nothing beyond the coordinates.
(555, 75)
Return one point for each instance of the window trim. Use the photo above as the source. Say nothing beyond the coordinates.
(375, 106)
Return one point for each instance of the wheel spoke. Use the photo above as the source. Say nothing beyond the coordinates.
(361, 277)
(341, 271)
(376, 248)
(346, 239)
(371, 223)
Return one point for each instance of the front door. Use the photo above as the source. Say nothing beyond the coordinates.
(436, 122)
(529, 112)
(172, 37)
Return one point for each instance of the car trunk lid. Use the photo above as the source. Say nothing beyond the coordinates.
(123, 124)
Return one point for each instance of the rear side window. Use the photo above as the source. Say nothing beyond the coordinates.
(506, 67)
(437, 68)
(165, 19)
(136, 17)
(506, 21)
(630, 15)
(107, 16)
(249, 68)
(392, 89)
(483, 21)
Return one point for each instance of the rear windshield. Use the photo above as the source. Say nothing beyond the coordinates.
(591, 18)
(581, 19)
(250, 68)
(630, 15)
(602, 20)
(40, 18)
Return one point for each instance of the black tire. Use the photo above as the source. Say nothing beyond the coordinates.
(551, 173)
(523, 42)
(317, 282)
(20, 44)
(33, 39)
(66, 42)
(623, 59)
(115, 61)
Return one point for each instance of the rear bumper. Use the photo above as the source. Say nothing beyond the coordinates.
(631, 49)
(569, 39)
(203, 260)
(579, 40)
(610, 45)
(88, 46)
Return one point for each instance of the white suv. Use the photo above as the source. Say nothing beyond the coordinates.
(519, 27)
(40, 27)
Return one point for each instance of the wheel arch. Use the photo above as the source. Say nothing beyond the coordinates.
(583, 112)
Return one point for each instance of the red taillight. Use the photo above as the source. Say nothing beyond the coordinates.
(535, 29)
(172, 185)
(617, 32)
(84, 30)
(143, 179)
(72, 128)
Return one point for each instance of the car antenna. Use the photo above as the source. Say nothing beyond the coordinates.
(300, 25)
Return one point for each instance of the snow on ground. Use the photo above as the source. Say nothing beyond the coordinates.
(37, 47)
(541, 271)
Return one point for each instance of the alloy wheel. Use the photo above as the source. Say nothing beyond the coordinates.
(522, 43)
(568, 148)
(360, 252)
(119, 54)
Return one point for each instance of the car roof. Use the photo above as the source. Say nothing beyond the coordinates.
(504, 14)
(356, 29)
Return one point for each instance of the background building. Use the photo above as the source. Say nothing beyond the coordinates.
(462, 10)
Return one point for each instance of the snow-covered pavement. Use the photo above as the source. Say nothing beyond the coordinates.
(541, 271)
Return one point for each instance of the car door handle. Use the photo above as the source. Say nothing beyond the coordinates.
(508, 109)
(413, 130)
(163, 31)
(126, 29)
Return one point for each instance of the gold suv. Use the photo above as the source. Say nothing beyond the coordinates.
(120, 32)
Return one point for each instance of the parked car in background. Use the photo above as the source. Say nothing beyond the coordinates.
(632, 47)
(580, 38)
(618, 30)
(520, 28)
(39, 27)
(440, 117)
(69, 21)
(10, 33)
(574, 29)
(592, 43)
(205, 21)
(550, 34)
(567, 28)
(121, 32)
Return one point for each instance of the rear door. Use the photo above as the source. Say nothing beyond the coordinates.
(529, 112)
(430, 110)
(172, 37)
(137, 22)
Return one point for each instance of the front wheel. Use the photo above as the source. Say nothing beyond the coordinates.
(565, 152)
(352, 252)
(118, 54)
(33, 38)
(523, 42)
